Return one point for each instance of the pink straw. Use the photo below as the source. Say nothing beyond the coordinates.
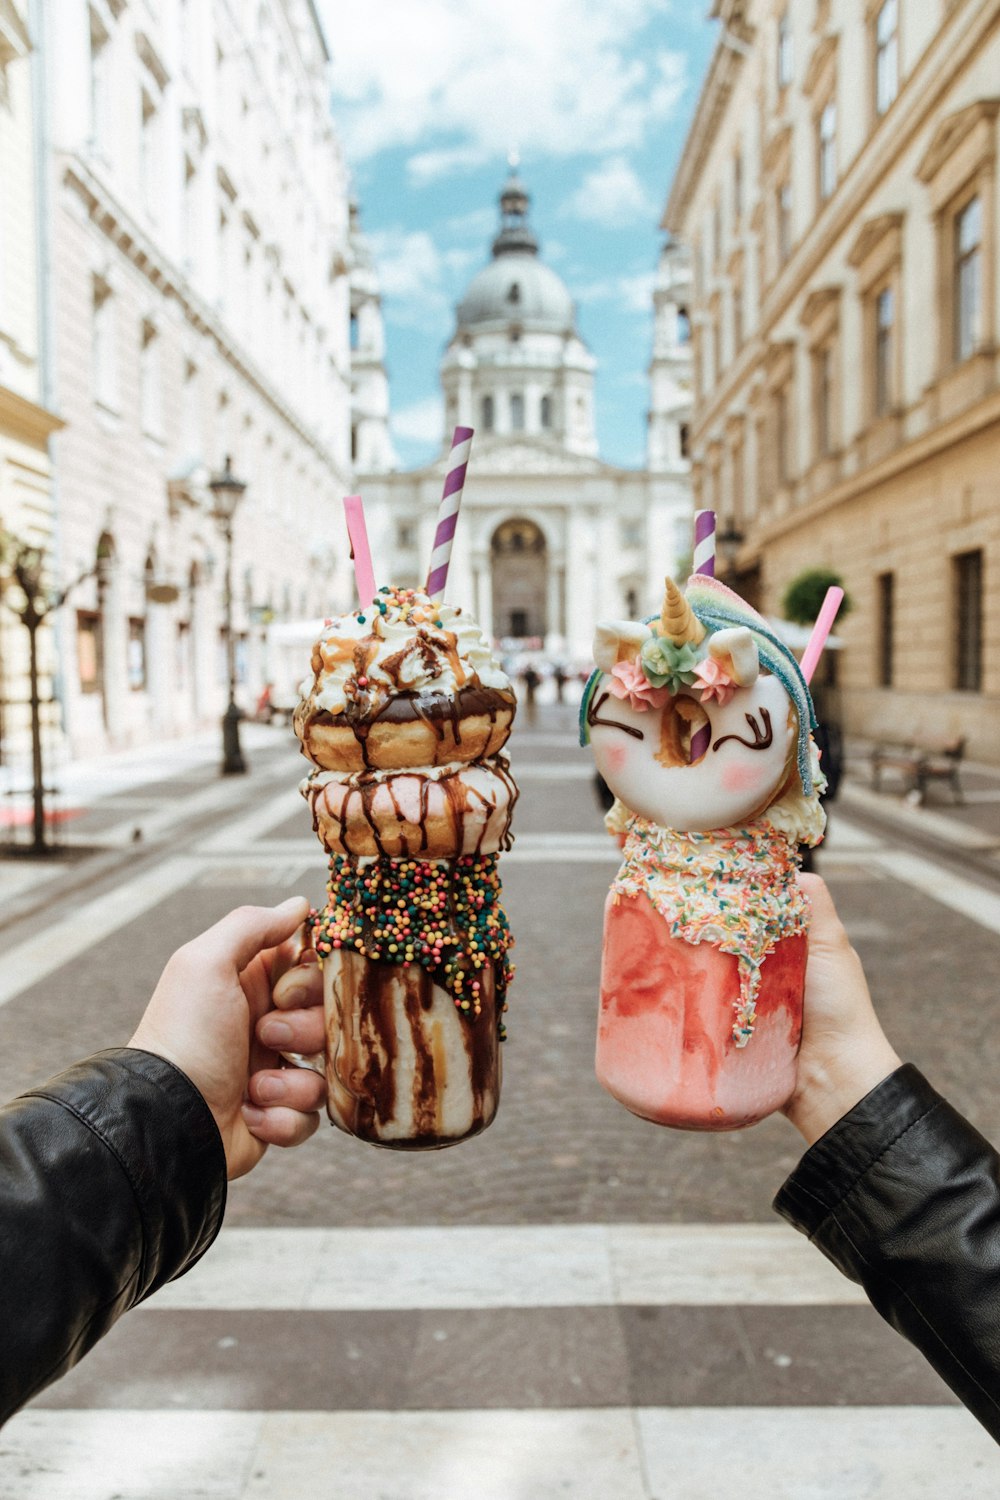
(451, 499)
(364, 573)
(820, 631)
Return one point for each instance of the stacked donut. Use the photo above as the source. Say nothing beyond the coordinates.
(405, 719)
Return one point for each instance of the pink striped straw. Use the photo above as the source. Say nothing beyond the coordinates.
(364, 573)
(704, 562)
(451, 499)
(704, 542)
(821, 630)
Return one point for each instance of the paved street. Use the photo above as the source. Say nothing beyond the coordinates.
(575, 1304)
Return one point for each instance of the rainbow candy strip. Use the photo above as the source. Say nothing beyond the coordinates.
(451, 499)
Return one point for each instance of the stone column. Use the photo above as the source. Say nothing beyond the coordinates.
(160, 631)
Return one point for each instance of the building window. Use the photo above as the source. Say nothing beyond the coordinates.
(826, 150)
(885, 338)
(886, 55)
(517, 412)
(631, 533)
(150, 382)
(354, 331)
(784, 226)
(190, 210)
(823, 397)
(100, 85)
(354, 442)
(968, 585)
(785, 60)
(968, 283)
(88, 650)
(738, 187)
(684, 438)
(137, 655)
(737, 316)
(406, 534)
(488, 413)
(104, 343)
(717, 231)
(150, 184)
(546, 412)
(190, 412)
(683, 326)
(885, 602)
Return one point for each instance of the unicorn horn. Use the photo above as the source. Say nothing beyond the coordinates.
(678, 621)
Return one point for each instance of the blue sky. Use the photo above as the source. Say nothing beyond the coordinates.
(596, 97)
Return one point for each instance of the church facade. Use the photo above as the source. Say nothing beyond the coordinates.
(552, 538)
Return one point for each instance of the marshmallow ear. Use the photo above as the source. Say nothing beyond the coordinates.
(618, 640)
(736, 648)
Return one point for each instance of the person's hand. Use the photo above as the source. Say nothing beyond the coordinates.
(213, 1015)
(844, 1049)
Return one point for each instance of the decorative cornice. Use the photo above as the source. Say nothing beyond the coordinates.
(818, 301)
(871, 236)
(26, 419)
(951, 133)
(823, 57)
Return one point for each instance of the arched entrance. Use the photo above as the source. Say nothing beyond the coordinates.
(519, 566)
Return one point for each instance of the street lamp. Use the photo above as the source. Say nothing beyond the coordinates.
(227, 492)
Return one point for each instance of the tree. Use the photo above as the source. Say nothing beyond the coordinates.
(23, 590)
(805, 594)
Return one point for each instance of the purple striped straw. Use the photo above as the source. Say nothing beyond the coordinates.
(704, 562)
(451, 499)
(704, 542)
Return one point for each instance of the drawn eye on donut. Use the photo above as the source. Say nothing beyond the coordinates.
(763, 734)
(593, 717)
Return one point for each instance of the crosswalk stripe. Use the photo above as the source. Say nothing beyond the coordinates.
(878, 1453)
(575, 1265)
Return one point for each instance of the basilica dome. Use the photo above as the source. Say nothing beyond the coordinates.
(516, 287)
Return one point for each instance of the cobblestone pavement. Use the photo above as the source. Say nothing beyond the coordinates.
(574, 1304)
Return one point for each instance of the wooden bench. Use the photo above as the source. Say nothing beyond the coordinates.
(921, 761)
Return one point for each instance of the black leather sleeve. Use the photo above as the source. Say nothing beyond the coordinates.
(903, 1195)
(112, 1182)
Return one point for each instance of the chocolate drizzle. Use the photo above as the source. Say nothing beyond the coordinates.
(593, 710)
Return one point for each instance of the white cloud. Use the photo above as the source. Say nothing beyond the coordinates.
(461, 81)
(633, 293)
(422, 422)
(611, 194)
(411, 271)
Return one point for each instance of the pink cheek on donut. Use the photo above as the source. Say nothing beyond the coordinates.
(738, 778)
(615, 758)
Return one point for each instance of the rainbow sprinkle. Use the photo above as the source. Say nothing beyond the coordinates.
(442, 914)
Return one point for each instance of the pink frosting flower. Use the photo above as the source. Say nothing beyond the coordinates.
(715, 681)
(629, 681)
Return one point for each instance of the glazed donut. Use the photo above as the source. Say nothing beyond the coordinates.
(442, 813)
(411, 729)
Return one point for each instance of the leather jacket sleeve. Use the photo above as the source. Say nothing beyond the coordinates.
(903, 1195)
(112, 1182)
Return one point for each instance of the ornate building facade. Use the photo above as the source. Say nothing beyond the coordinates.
(201, 270)
(552, 538)
(26, 424)
(838, 191)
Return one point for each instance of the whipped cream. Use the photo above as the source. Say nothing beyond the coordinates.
(402, 643)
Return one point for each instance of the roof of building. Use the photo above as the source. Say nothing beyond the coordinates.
(516, 287)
